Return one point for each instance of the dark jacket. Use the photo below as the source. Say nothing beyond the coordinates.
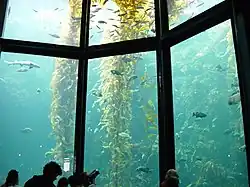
(39, 181)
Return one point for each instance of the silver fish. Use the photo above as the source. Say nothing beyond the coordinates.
(23, 63)
(26, 130)
(22, 69)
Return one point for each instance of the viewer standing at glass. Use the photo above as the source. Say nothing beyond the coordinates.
(50, 172)
(12, 179)
(171, 179)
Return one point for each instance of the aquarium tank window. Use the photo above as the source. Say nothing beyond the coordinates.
(129, 88)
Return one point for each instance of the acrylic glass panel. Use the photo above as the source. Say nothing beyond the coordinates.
(38, 96)
(183, 10)
(121, 20)
(121, 120)
(209, 136)
(47, 21)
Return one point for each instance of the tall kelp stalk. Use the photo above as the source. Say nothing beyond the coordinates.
(232, 73)
(63, 85)
(116, 77)
(116, 74)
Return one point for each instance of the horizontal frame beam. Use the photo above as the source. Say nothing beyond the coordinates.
(122, 48)
(64, 51)
(36, 48)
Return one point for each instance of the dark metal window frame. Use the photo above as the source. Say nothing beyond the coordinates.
(236, 10)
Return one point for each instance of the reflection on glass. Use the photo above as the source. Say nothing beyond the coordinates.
(183, 10)
(121, 120)
(33, 88)
(56, 21)
(115, 21)
(210, 147)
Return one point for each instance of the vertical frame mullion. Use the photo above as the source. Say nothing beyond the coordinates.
(165, 100)
(3, 10)
(82, 90)
(241, 37)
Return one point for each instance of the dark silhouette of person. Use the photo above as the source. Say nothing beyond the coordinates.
(78, 180)
(12, 179)
(63, 182)
(50, 172)
(171, 179)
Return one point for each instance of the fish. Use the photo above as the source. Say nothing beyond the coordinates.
(199, 114)
(153, 30)
(228, 131)
(242, 148)
(105, 1)
(235, 84)
(54, 35)
(26, 130)
(98, 27)
(140, 7)
(115, 72)
(126, 59)
(122, 14)
(22, 69)
(235, 92)
(96, 10)
(38, 90)
(200, 4)
(102, 22)
(9, 10)
(34, 10)
(56, 9)
(92, 15)
(234, 99)
(110, 9)
(76, 18)
(134, 11)
(133, 77)
(219, 68)
(117, 32)
(23, 63)
(124, 135)
(2, 80)
(115, 26)
(144, 169)
(96, 93)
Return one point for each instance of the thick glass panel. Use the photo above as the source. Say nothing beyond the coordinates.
(210, 147)
(115, 21)
(183, 10)
(56, 21)
(37, 113)
(121, 122)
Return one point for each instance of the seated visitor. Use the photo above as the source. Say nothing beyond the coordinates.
(171, 179)
(63, 182)
(12, 179)
(50, 172)
(80, 180)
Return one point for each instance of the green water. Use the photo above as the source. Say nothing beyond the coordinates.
(121, 108)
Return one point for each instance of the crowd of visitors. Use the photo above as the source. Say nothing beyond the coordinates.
(52, 170)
